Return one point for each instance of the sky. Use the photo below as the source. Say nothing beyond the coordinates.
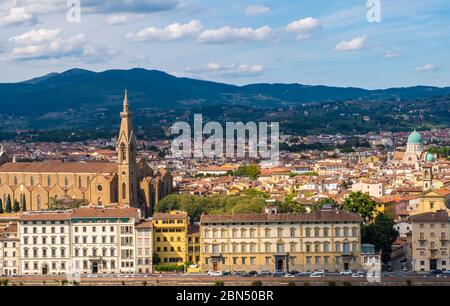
(234, 41)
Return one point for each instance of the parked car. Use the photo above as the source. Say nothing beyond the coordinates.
(303, 274)
(315, 274)
(253, 273)
(433, 273)
(265, 273)
(346, 273)
(289, 275)
(226, 273)
(357, 275)
(278, 274)
(215, 273)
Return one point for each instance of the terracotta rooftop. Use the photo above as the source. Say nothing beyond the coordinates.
(324, 215)
(440, 216)
(145, 224)
(91, 212)
(169, 216)
(47, 216)
(60, 167)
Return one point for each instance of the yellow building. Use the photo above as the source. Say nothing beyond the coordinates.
(433, 200)
(170, 237)
(126, 183)
(328, 240)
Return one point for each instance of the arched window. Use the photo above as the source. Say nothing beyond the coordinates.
(32, 181)
(80, 184)
(66, 181)
(123, 152)
(49, 181)
(38, 202)
(15, 181)
(124, 192)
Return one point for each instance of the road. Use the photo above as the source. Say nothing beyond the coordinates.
(204, 280)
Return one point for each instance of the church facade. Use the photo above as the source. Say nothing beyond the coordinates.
(128, 182)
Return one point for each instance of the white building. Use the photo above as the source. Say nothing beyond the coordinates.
(44, 243)
(87, 240)
(374, 189)
(9, 251)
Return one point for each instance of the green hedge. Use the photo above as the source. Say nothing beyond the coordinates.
(169, 268)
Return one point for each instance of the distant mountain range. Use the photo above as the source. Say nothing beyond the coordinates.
(80, 98)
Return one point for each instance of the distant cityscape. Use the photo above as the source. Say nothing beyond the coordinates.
(360, 208)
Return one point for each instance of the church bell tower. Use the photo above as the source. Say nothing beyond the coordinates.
(126, 159)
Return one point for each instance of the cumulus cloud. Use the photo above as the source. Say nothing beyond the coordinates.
(304, 27)
(228, 34)
(354, 44)
(226, 70)
(50, 44)
(16, 16)
(256, 9)
(174, 31)
(426, 68)
(391, 54)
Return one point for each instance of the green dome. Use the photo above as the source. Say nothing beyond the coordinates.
(415, 138)
(430, 158)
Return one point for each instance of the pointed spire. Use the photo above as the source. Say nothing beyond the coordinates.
(126, 104)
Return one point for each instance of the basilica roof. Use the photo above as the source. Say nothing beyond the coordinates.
(60, 167)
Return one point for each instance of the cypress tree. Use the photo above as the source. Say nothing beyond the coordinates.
(8, 207)
(16, 207)
(1, 206)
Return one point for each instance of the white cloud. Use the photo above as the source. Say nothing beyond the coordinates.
(354, 44)
(228, 34)
(256, 9)
(16, 16)
(426, 68)
(391, 54)
(174, 31)
(304, 27)
(50, 44)
(226, 70)
(119, 19)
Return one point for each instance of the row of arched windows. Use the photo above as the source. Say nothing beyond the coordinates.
(49, 181)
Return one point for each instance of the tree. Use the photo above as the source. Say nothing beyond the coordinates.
(1, 207)
(16, 207)
(382, 234)
(293, 205)
(323, 203)
(8, 206)
(362, 204)
(250, 171)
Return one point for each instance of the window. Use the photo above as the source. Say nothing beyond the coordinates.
(66, 181)
(49, 181)
(124, 192)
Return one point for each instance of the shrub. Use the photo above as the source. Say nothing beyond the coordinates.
(256, 284)
(408, 283)
(169, 268)
(144, 283)
(64, 282)
(306, 284)
(331, 284)
(219, 284)
(4, 282)
(346, 284)
(291, 284)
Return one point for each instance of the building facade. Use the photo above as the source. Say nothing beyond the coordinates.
(430, 237)
(9, 251)
(88, 240)
(170, 234)
(128, 182)
(328, 240)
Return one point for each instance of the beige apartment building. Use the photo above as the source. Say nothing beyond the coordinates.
(429, 249)
(44, 243)
(88, 240)
(9, 251)
(328, 240)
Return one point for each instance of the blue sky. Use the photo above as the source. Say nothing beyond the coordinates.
(240, 42)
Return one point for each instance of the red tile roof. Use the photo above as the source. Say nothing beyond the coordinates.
(60, 167)
(324, 215)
